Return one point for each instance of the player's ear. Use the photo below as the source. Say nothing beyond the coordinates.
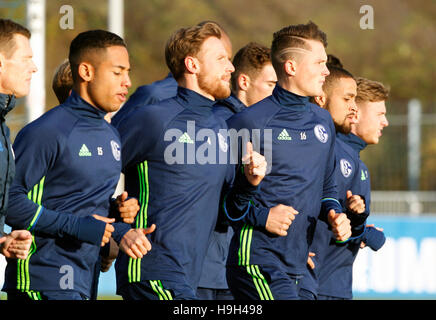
(192, 64)
(2, 62)
(243, 82)
(86, 71)
(290, 67)
(320, 100)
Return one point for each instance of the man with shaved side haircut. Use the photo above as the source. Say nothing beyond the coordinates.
(267, 258)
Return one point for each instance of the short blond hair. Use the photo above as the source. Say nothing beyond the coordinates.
(62, 81)
(371, 91)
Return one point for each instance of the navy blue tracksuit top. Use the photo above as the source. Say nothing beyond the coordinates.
(299, 138)
(7, 163)
(348, 177)
(336, 271)
(68, 164)
(178, 189)
(213, 275)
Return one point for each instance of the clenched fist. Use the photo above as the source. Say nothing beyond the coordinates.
(279, 219)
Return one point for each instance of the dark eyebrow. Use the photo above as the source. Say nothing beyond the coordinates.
(122, 68)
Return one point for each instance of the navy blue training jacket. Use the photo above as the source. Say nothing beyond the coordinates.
(324, 245)
(68, 163)
(178, 189)
(7, 164)
(299, 138)
(335, 274)
(213, 275)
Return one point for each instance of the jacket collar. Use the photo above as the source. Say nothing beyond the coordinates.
(353, 141)
(194, 101)
(290, 100)
(7, 103)
(83, 108)
(233, 103)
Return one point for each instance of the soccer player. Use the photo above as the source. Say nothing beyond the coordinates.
(126, 209)
(62, 84)
(165, 89)
(164, 165)
(334, 265)
(267, 258)
(16, 69)
(68, 164)
(162, 89)
(254, 78)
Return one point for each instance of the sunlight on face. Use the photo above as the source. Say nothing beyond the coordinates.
(372, 121)
(215, 69)
(109, 88)
(18, 69)
(262, 85)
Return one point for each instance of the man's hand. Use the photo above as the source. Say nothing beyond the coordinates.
(340, 224)
(16, 245)
(363, 244)
(106, 262)
(254, 165)
(310, 261)
(108, 230)
(128, 209)
(279, 219)
(135, 244)
(355, 203)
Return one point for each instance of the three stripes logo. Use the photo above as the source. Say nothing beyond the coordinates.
(23, 273)
(254, 271)
(160, 291)
(134, 266)
(84, 151)
(284, 135)
(185, 138)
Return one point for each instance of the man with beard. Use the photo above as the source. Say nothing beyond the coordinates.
(167, 170)
(254, 79)
(329, 270)
(335, 279)
(266, 260)
(162, 89)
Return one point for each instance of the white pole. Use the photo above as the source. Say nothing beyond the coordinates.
(116, 17)
(116, 25)
(35, 101)
(414, 143)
